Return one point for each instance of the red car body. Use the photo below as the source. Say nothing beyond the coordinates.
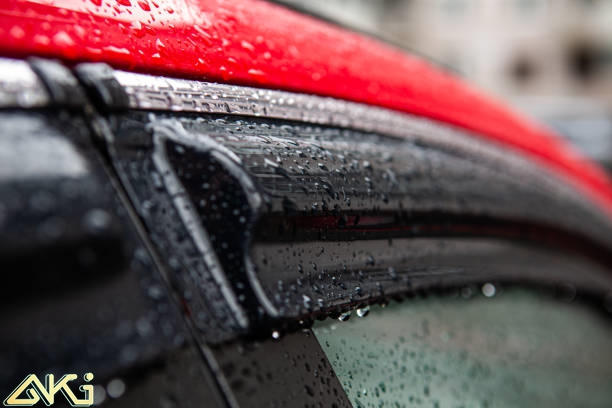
(263, 45)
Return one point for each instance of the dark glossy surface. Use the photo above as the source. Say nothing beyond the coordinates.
(289, 371)
(173, 227)
(308, 220)
(80, 291)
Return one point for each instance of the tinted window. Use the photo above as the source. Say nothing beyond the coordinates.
(516, 349)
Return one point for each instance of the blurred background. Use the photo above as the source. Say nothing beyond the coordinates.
(551, 59)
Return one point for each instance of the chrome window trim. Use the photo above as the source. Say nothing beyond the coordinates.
(20, 87)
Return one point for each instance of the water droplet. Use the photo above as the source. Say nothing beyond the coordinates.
(363, 311)
(144, 5)
(307, 301)
(488, 289)
(62, 39)
(258, 73)
(128, 354)
(17, 32)
(247, 45)
(97, 220)
(41, 39)
(99, 394)
(116, 50)
(52, 228)
(344, 316)
(115, 388)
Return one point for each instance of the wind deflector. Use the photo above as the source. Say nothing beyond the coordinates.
(296, 206)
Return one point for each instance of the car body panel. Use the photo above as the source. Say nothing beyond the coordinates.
(256, 43)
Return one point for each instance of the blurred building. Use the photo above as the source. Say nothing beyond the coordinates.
(512, 48)
(552, 59)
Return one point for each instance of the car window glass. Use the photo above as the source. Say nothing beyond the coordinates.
(513, 349)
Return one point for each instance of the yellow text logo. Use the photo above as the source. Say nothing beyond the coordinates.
(35, 391)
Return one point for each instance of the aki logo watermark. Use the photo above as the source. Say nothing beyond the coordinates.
(31, 390)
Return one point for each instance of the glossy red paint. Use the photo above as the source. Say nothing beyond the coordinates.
(260, 44)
